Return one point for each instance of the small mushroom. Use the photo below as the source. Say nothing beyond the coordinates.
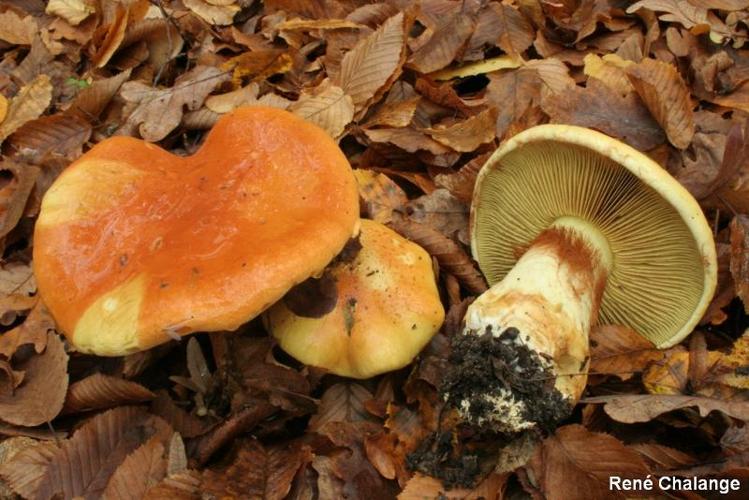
(571, 227)
(383, 309)
(134, 246)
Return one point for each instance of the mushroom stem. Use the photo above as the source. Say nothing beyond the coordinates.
(534, 325)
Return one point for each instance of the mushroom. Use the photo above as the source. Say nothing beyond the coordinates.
(382, 308)
(134, 246)
(571, 227)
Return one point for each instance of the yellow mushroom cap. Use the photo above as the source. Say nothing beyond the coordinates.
(663, 272)
(387, 308)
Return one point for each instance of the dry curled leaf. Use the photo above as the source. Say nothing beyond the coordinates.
(32, 331)
(469, 134)
(379, 194)
(446, 44)
(577, 463)
(740, 257)
(375, 62)
(449, 254)
(15, 194)
(618, 350)
(460, 183)
(598, 107)
(27, 105)
(17, 29)
(159, 111)
(27, 469)
(327, 106)
(632, 408)
(213, 13)
(73, 11)
(60, 135)
(99, 391)
(665, 94)
(113, 37)
(41, 395)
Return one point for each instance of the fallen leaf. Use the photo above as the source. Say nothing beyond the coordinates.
(380, 194)
(113, 37)
(609, 70)
(32, 331)
(318, 24)
(460, 183)
(740, 257)
(158, 111)
(633, 408)
(394, 114)
(440, 210)
(342, 402)
(421, 487)
(27, 105)
(481, 67)
(15, 194)
(61, 135)
(664, 458)
(446, 44)
(515, 32)
(102, 443)
(327, 106)
(91, 101)
(210, 12)
(407, 138)
(15, 29)
(224, 103)
(28, 468)
(41, 395)
(618, 350)
(184, 423)
(374, 63)
(469, 134)
(665, 94)
(448, 253)
(73, 11)
(140, 471)
(257, 65)
(257, 472)
(577, 463)
(99, 391)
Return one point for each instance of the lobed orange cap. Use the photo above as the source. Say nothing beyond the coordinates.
(134, 246)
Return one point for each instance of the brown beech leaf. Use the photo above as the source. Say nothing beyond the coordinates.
(632, 408)
(186, 424)
(140, 471)
(577, 463)
(449, 254)
(446, 44)
(61, 135)
(618, 350)
(513, 92)
(91, 101)
(394, 114)
(327, 107)
(460, 183)
(379, 194)
(665, 94)
(609, 70)
(740, 257)
(515, 31)
(407, 138)
(99, 391)
(257, 472)
(664, 458)
(102, 443)
(220, 14)
(27, 105)
(32, 331)
(15, 194)
(421, 487)
(596, 106)
(27, 469)
(41, 395)
(342, 402)
(223, 103)
(159, 111)
(469, 134)
(369, 69)
(440, 210)
(182, 486)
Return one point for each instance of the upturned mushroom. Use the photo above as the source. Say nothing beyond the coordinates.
(134, 246)
(571, 227)
(382, 308)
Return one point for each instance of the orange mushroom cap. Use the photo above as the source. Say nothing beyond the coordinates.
(134, 245)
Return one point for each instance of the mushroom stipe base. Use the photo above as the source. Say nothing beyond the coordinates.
(486, 369)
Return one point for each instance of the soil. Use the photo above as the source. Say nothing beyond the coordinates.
(483, 364)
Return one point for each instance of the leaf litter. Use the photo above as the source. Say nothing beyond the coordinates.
(418, 95)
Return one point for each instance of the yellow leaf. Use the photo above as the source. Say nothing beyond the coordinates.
(28, 104)
(609, 69)
(476, 68)
(73, 11)
(318, 24)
